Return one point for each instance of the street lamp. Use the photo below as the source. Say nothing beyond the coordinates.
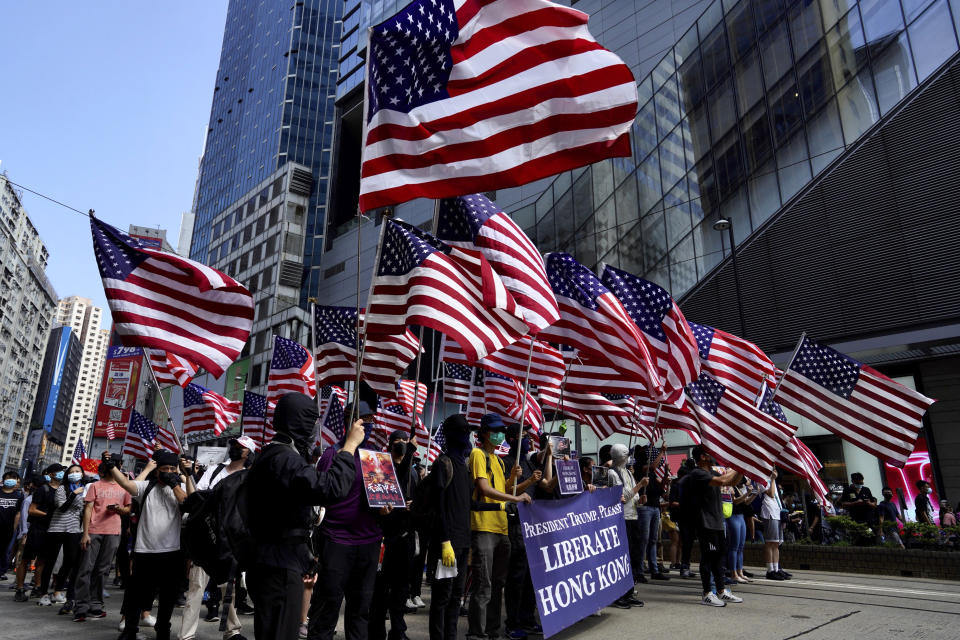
(726, 224)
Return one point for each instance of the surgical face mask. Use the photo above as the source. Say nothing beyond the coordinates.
(9, 483)
(59, 475)
(857, 486)
(75, 477)
(46, 477)
(496, 438)
(928, 490)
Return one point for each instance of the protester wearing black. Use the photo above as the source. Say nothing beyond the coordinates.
(282, 487)
(858, 500)
(39, 515)
(703, 488)
(11, 501)
(687, 514)
(392, 584)
(451, 484)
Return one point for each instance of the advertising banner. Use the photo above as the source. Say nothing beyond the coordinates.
(63, 349)
(118, 391)
(380, 479)
(569, 481)
(578, 555)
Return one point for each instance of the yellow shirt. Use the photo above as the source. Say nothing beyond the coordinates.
(490, 521)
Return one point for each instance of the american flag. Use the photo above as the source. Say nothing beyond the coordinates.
(605, 413)
(587, 372)
(671, 417)
(407, 390)
(466, 96)
(327, 392)
(169, 368)
(659, 319)
(385, 357)
(79, 453)
(474, 222)
(255, 423)
(332, 428)
(504, 396)
(140, 437)
(419, 280)
(737, 434)
(392, 416)
(167, 439)
(162, 301)
(291, 370)
(477, 401)
(734, 362)
(546, 365)
(437, 444)
(205, 413)
(594, 321)
(456, 383)
(854, 401)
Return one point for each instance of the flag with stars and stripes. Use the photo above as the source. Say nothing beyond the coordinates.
(291, 370)
(736, 363)
(476, 405)
(670, 417)
(606, 414)
(332, 426)
(407, 391)
(854, 401)
(594, 321)
(465, 96)
(167, 439)
(162, 301)
(456, 382)
(422, 281)
(141, 435)
(474, 222)
(169, 368)
(660, 320)
(546, 363)
(79, 453)
(504, 396)
(256, 421)
(437, 445)
(206, 414)
(735, 432)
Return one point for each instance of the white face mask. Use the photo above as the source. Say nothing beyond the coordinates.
(75, 477)
(928, 490)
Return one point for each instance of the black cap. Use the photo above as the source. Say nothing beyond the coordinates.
(363, 409)
(513, 430)
(396, 435)
(492, 422)
(165, 458)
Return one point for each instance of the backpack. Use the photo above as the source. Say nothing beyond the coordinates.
(215, 535)
(426, 495)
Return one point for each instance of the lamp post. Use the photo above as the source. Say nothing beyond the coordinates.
(13, 424)
(726, 224)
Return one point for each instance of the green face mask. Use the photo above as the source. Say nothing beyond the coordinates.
(496, 438)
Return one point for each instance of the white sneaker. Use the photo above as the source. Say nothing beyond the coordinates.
(712, 600)
(149, 621)
(58, 598)
(417, 600)
(727, 596)
(45, 601)
(411, 604)
(121, 625)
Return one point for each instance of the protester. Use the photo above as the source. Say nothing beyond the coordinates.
(858, 500)
(923, 508)
(688, 512)
(648, 513)
(63, 535)
(238, 450)
(449, 487)
(947, 517)
(736, 527)
(350, 537)
(28, 552)
(587, 473)
(490, 543)
(283, 486)
(11, 501)
(40, 515)
(888, 512)
(772, 533)
(632, 498)
(703, 489)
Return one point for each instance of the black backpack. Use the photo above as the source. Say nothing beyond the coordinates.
(426, 495)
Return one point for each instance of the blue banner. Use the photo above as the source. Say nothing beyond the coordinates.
(578, 555)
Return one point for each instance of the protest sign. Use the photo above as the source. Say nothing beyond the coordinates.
(578, 555)
(380, 479)
(569, 481)
(209, 456)
(560, 445)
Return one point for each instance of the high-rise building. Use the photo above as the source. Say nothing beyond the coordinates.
(80, 315)
(27, 302)
(53, 406)
(153, 237)
(260, 202)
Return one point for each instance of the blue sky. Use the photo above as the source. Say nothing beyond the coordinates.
(104, 107)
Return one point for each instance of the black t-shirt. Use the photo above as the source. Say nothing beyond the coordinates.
(43, 499)
(454, 512)
(675, 490)
(10, 504)
(862, 513)
(705, 497)
(888, 510)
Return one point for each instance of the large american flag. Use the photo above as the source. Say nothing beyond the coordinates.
(393, 416)
(594, 321)
(206, 413)
(167, 439)
(474, 222)
(854, 401)
(587, 372)
(332, 427)
(255, 422)
(456, 382)
(606, 414)
(504, 396)
(734, 362)
(546, 363)
(407, 391)
(476, 405)
(670, 417)
(437, 444)
(291, 370)
(419, 280)
(162, 301)
(385, 357)
(659, 318)
(465, 96)
(79, 453)
(169, 368)
(140, 436)
(737, 434)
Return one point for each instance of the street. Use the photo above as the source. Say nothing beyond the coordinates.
(811, 606)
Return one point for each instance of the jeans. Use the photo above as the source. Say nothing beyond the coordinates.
(391, 589)
(648, 519)
(518, 592)
(347, 571)
(712, 551)
(736, 536)
(445, 598)
(94, 567)
(491, 559)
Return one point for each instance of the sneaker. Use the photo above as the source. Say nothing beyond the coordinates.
(35, 593)
(534, 629)
(80, 617)
(786, 574)
(516, 634)
(711, 600)
(212, 615)
(121, 626)
(244, 609)
(303, 631)
(633, 601)
(149, 621)
(410, 604)
(659, 576)
(727, 596)
(66, 608)
(20, 596)
(181, 602)
(44, 601)
(746, 573)
(676, 566)
(686, 574)
(58, 598)
(417, 600)
(621, 604)
(97, 614)
(773, 575)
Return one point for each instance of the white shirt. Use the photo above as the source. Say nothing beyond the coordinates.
(770, 510)
(158, 530)
(621, 476)
(209, 481)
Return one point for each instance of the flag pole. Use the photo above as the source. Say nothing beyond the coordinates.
(416, 386)
(164, 402)
(313, 349)
(362, 345)
(803, 336)
(433, 403)
(523, 406)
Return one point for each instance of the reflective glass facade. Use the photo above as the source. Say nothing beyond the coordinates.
(753, 101)
(358, 16)
(272, 104)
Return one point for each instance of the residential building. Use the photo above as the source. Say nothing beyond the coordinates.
(27, 302)
(53, 407)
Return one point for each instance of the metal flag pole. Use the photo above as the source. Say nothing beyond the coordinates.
(523, 406)
(313, 349)
(416, 386)
(166, 409)
(803, 336)
(433, 403)
(361, 345)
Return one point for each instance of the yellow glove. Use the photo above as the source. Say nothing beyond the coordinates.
(447, 557)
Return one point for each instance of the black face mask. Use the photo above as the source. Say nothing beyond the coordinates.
(171, 479)
(398, 448)
(235, 453)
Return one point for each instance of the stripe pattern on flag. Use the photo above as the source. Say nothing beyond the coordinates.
(546, 365)
(736, 363)
(169, 368)
(79, 453)
(140, 437)
(291, 370)
(206, 414)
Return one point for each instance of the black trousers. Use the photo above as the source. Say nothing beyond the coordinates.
(445, 597)
(277, 596)
(391, 589)
(70, 542)
(416, 565)
(713, 550)
(346, 571)
(153, 573)
(688, 532)
(518, 592)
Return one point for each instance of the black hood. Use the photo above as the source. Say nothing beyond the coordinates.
(296, 415)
